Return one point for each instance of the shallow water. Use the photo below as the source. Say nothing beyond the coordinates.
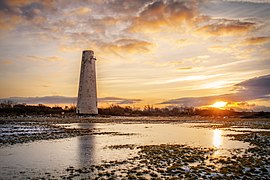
(21, 129)
(54, 156)
(237, 128)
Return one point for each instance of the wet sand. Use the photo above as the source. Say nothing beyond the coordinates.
(134, 148)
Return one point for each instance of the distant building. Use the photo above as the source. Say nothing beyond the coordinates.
(87, 95)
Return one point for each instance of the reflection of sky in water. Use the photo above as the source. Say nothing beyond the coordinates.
(56, 155)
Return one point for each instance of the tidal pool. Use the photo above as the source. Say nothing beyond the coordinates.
(53, 156)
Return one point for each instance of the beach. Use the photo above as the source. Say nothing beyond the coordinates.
(116, 147)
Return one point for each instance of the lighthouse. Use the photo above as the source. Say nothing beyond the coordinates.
(87, 95)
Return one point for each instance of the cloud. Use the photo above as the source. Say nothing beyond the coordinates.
(184, 42)
(6, 62)
(9, 22)
(250, 1)
(96, 17)
(129, 46)
(256, 88)
(221, 49)
(42, 100)
(121, 7)
(198, 59)
(66, 100)
(245, 106)
(116, 100)
(23, 3)
(256, 40)
(185, 68)
(252, 89)
(43, 59)
(228, 27)
(108, 21)
(160, 15)
(185, 16)
(79, 11)
(17, 13)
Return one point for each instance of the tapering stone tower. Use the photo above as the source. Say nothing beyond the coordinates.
(87, 95)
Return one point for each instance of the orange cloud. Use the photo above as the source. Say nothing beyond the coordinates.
(79, 11)
(225, 27)
(6, 62)
(38, 20)
(257, 40)
(19, 3)
(9, 22)
(185, 68)
(221, 49)
(109, 21)
(129, 45)
(185, 42)
(161, 15)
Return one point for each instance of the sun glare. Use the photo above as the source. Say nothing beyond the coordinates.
(217, 139)
(219, 104)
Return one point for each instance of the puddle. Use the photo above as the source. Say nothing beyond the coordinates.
(54, 156)
(21, 129)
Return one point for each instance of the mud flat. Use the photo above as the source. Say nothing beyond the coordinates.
(134, 148)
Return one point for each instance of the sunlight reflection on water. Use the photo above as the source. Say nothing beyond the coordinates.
(217, 139)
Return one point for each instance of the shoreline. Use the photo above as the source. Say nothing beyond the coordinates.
(150, 160)
(104, 119)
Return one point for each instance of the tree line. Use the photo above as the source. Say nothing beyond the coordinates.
(11, 109)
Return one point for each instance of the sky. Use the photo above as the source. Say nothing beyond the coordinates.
(156, 52)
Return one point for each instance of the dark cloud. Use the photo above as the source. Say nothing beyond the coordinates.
(25, 8)
(42, 100)
(31, 10)
(256, 88)
(116, 100)
(262, 81)
(3, 5)
(250, 1)
(245, 106)
(24, 13)
(120, 7)
(66, 100)
(191, 101)
(252, 89)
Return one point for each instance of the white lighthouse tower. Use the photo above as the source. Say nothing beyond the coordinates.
(87, 95)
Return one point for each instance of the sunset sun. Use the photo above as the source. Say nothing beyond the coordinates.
(219, 104)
